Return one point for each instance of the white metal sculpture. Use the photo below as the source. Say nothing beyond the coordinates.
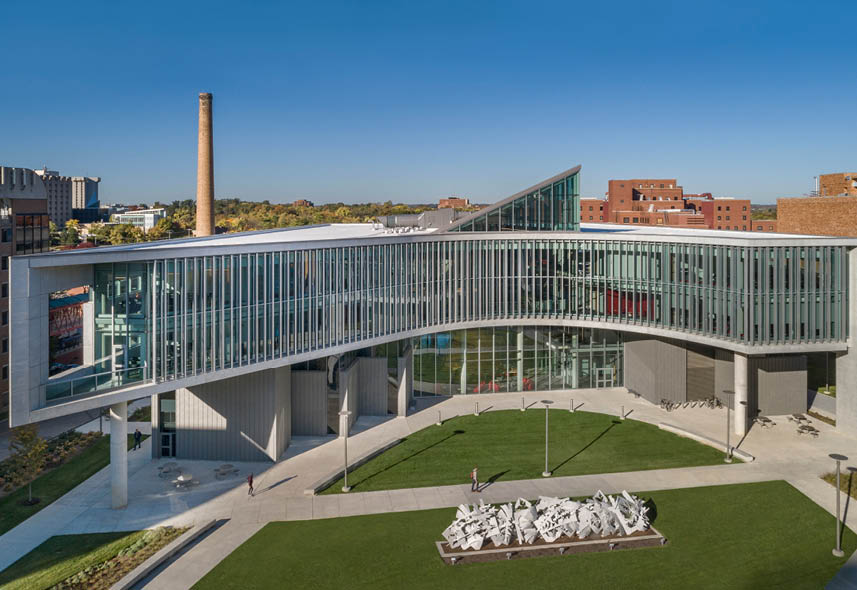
(548, 519)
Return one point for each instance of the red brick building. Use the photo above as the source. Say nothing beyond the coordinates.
(662, 202)
(453, 203)
(839, 183)
(820, 216)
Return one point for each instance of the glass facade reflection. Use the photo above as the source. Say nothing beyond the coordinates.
(520, 358)
(171, 318)
(552, 206)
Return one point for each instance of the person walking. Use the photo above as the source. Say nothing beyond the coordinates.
(474, 479)
(138, 439)
(250, 485)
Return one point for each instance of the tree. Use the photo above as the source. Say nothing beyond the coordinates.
(69, 236)
(125, 233)
(29, 453)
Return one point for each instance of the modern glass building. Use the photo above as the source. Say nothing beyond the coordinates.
(246, 334)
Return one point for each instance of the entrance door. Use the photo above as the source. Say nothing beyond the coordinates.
(604, 377)
(168, 444)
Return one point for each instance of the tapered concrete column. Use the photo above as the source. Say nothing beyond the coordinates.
(119, 454)
(205, 169)
(406, 382)
(741, 395)
(520, 359)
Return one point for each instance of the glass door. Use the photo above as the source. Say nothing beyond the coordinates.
(604, 377)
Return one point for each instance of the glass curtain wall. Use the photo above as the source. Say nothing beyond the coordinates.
(555, 207)
(208, 313)
(521, 358)
(121, 331)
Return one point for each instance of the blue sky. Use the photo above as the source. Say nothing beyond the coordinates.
(413, 101)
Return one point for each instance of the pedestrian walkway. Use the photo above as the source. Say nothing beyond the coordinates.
(780, 454)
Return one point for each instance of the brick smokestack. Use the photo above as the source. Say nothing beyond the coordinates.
(205, 170)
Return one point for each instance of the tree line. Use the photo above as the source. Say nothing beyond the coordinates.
(230, 215)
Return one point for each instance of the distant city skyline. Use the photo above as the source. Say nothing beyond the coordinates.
(412, 103)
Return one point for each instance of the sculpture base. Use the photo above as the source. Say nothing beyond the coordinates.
(540, 548)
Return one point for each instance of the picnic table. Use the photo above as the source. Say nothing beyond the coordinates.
(224, 470)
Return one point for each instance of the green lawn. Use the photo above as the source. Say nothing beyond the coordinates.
(510, 444)
(761, 535)
(52, 485)
(62, 556)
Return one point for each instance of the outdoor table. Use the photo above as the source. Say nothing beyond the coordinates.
(183, 480)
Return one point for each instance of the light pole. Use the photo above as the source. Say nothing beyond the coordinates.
(345, 414)
(547, 404)
(838, 550)
(730, 395)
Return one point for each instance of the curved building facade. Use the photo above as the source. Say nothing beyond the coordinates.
(516, 297)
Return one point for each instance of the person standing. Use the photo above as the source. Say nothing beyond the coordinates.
(138, 439)
(250, 485)
(474, 479)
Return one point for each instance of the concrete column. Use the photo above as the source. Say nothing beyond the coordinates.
(156, 428)
(119, 454)
(406, 382)
(846, 363)
(205, 169)
(88, 319)
(741, 394)
(462, 378)
(520, 352)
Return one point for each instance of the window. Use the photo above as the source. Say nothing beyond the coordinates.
(719, 218)
(7, 235)
(590, 218)
(601, 217)
(745, 207)
(590, 207)
(662, 185)
(743, 218)
(624, 220)
(5, 348)
(727, 218)
(5, 372)
(5, 263)
(727, 207)
(718, 207)
(5, 317)
(636, 220)
(744, 228)
(4, 290)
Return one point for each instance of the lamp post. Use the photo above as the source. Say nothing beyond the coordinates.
(345, 487)
(547, 404)
(730, 395)
(838, 550)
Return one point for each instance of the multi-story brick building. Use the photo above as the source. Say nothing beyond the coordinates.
(454, 203)
(663, 202)
(592, 210)
(819, 216)
(24, 229)
(838, 183)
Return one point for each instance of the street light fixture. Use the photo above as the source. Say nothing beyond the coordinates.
(547, 404)
(838, 550)
(730, 395)
(345, 414)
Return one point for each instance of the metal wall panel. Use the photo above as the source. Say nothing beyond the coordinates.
(231, 419)
(656, 369)
(309, 403)
(779, 384)
(372, 386)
